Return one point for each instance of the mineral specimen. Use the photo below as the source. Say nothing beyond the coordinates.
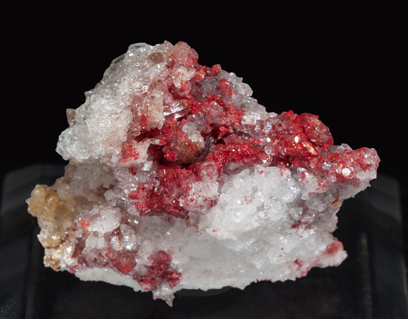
(179, 179)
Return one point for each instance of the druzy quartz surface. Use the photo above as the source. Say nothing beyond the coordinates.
(179, 179)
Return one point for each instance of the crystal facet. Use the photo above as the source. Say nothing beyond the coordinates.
(179, 179)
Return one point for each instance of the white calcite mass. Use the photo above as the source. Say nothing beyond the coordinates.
(179, 179)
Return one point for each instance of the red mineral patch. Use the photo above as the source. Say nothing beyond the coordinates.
(159, 272)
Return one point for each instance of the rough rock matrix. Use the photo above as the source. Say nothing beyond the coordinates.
(179, 179)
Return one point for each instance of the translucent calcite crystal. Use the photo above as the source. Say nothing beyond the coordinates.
(179, 179)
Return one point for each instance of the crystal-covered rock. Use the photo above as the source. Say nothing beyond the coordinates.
(179, 179)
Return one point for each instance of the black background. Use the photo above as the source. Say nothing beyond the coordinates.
(346, 64)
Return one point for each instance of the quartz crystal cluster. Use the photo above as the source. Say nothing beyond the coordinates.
(179, 179)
